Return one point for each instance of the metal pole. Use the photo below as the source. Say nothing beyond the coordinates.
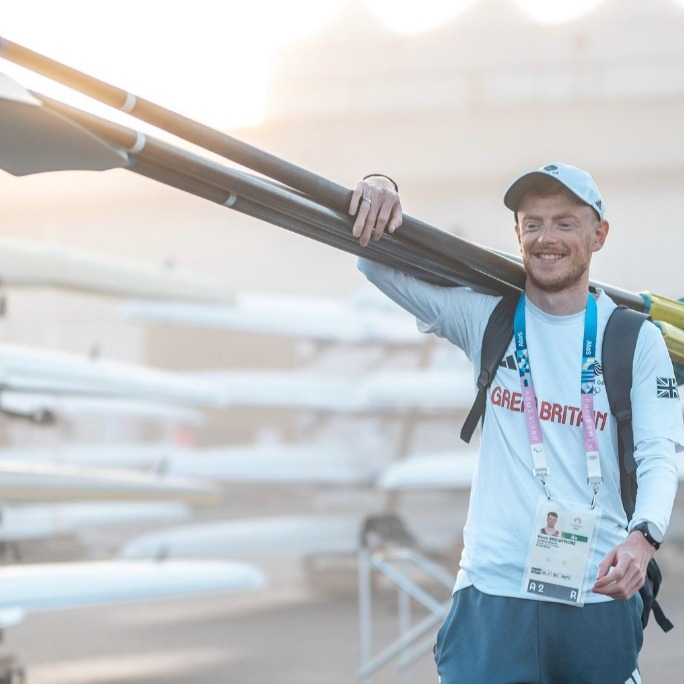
(404, 610)
(365, 613)
(404, 642)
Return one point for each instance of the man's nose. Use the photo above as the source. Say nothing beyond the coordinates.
(546, 234)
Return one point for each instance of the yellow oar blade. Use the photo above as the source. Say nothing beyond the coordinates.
(664, 309)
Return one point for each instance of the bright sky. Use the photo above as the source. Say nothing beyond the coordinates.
(208, 60)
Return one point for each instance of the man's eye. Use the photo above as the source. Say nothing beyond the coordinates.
(529, 227)
(565, 225)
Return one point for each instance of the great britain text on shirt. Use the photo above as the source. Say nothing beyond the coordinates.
(552, 412)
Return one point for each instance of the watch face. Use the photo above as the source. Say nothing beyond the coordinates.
(654, 533)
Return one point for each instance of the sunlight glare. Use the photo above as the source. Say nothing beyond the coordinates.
(206, 60)
(408, 18)
(557, 11)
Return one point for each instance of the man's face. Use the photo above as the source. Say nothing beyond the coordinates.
(557, 236)
(551, 520)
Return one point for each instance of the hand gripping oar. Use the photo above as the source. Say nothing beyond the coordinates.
(439, 244)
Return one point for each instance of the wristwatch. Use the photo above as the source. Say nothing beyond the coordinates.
(653, 535)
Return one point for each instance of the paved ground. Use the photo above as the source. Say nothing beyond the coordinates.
(285, 634)
(301, 629)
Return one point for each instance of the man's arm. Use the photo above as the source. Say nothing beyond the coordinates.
(657, 425)
(377, 207)
(455, 313)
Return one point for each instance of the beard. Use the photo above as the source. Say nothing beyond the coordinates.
(556, 282)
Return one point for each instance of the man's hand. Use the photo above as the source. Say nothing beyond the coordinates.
(623, 571)
(377, 208)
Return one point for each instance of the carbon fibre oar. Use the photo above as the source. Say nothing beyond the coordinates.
(35, 156)
(227, 198)
(263, 213)
(430, 239)
(38, 135)
(198, 175)
(440, 244)
(63, 144)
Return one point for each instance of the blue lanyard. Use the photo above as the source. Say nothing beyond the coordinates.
(587, 389)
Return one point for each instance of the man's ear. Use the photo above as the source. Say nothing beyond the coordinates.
(600, 235)
(518, 234)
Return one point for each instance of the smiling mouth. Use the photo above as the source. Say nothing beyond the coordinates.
(549, 257)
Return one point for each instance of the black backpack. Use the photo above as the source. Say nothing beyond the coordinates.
(620, 337)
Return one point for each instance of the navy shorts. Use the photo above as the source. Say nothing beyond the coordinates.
(500, 640)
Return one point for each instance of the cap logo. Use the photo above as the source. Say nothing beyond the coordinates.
(599, 204)
(551, 168)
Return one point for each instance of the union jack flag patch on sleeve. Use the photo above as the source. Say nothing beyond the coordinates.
(667, 388)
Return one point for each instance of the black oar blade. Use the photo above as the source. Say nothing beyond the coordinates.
(36, 140)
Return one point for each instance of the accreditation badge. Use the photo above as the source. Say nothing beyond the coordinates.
(561, 548)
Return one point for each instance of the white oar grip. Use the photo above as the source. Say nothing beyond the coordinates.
(129, 104)
(139, 144)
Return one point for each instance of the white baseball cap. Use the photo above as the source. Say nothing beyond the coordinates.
(579, 182)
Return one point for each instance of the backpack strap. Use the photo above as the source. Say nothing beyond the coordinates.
(617, 356)
(497, 336)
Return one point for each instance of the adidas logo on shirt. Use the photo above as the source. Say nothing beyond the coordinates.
(509, 362)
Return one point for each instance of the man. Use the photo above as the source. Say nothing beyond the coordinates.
(531, 609)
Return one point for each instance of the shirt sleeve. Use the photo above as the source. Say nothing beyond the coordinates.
(459, 314)
(658, 428)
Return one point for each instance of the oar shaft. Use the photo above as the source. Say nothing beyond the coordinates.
(301, 216)
(56, 71)
(416, 233)
(177, 124)
(262, 212)
(281, 199)
(426, 237)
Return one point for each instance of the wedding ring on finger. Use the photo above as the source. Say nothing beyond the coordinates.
(367, 199)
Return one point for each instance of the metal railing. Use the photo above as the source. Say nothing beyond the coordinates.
(389, 550)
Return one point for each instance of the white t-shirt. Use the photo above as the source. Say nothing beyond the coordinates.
(505, 493)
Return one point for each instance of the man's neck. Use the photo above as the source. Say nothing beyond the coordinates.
(565, 303)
